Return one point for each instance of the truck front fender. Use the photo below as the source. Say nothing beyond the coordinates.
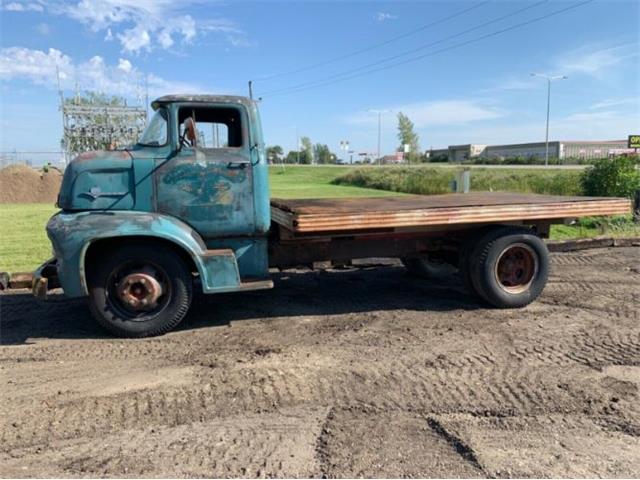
(73, 233)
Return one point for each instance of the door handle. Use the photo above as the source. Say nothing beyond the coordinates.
(237, 165)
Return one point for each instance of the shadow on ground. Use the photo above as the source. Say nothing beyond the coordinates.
(296, 293)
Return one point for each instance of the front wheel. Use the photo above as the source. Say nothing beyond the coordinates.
(509, 267)
(140, 291)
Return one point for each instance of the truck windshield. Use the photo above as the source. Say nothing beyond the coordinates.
(155, 135)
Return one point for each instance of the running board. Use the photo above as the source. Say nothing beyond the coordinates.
(259, 284)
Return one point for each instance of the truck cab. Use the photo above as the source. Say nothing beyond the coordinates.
(186, 207)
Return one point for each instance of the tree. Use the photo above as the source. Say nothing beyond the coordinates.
(408, 136)
(292, 157)
(274, 153)
(302, 157)
(323, 154)
(306, 150)
(618, 177)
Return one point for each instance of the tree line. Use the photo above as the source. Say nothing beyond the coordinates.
(320, 153)
(308, 154)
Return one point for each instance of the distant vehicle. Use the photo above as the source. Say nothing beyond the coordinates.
(140, 230)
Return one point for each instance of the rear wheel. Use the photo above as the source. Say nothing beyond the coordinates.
(509, 267)
(140, 291)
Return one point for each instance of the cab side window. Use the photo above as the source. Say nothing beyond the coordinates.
(214, 127)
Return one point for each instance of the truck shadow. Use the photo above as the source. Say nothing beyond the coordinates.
(296, 293)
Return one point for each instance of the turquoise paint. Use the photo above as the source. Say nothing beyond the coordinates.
(71, 234)
(98, 181)
(198, 199)
(251, 254)
(261, 195)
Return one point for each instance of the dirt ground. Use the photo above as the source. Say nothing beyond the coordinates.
(359, 372)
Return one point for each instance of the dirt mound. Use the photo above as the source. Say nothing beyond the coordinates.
(22, 184)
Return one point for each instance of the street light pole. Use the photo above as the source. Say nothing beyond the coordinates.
(546, 135)
(378, 156)
(379, 112)
(546, 138)
(297, 147)
(344, 145)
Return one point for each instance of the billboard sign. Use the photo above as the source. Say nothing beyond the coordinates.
(634, 141)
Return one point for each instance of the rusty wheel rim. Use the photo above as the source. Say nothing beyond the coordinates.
(138, 290)
(516, 268)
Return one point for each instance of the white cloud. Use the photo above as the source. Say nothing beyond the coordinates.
(23, 7)
(135, 39)
(616, 102)
(125, 65)
(139, 25)
(384, 16)
(436, 113)
(606, 125)
(142, 25)
(601, 125)
(590, 117)
(39, 68)
(595, 61)
(234, 35)
(512, 84)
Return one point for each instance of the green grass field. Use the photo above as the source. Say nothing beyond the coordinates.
(24, 244)
(315, 182)
(23, 241)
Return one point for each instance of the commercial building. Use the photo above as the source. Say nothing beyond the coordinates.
(460, 153)
(564, 149)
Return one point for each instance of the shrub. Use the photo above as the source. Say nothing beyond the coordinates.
(425, 180)
(618, 177)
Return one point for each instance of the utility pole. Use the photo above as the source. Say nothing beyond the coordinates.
(64, 117)
(146, 97)
(379, 112)
(549, 80)
(251, 89)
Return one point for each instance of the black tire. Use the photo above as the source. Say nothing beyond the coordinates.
(509, 267)
(467, 248)
(464, 267)
(423, 267)
(171, 306)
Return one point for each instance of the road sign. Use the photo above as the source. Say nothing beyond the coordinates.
(634, 141)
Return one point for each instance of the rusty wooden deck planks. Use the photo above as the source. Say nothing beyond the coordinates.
(317, 215)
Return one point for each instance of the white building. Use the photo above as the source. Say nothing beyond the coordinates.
(564, 149)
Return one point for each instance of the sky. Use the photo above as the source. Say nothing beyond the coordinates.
(461, 70)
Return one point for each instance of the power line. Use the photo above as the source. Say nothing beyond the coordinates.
(372, 47)
(451, 47)
(407, 52)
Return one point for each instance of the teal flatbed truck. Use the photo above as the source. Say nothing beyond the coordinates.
(187, 209)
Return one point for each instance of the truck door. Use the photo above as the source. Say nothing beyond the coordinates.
(209, 183)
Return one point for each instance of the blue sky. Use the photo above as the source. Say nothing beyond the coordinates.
(478, 92)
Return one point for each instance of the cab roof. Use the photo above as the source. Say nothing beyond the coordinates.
(186, 98)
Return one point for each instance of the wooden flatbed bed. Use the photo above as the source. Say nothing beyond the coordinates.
(353, 214)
